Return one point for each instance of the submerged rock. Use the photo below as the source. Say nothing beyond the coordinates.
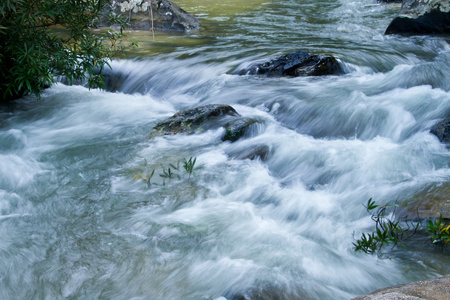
(148, 14)
(433, 289)
(195, 119)
(300, 63)
(261, 152)
(422, 17)
(442, 130)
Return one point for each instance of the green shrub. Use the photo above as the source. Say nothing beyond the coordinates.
(32, 54)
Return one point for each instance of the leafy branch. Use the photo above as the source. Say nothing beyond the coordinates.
(390, 231)
(33, 53)
(387, 230)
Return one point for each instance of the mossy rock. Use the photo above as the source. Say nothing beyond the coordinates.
(237, 128)
(196, 119)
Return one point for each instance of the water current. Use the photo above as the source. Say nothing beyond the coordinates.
(77, 221)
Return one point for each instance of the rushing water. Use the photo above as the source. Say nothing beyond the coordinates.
(76, 223)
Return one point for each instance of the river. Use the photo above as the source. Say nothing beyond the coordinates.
(77, 221)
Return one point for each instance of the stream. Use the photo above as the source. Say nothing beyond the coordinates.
(79, 221)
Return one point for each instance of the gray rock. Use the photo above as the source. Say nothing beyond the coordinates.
(432, 202)
(148, 14)
(433, 289)
(195, 119)
(422, 17)
(442, 130)
(300, 63)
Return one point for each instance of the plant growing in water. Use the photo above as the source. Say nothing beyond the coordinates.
(172, 171)
(189, 165)
(387, 231)
(168, 173)
(145, 177)
(439, 231)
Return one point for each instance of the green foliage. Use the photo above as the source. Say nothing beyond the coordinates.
(387, 230)
(32, 53)
(189, 165)
(171, 172)
(439, 231)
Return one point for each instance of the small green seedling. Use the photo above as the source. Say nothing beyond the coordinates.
(189, 165)
(146, 178)
(168, 173)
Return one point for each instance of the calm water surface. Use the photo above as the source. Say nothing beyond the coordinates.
(77, 220)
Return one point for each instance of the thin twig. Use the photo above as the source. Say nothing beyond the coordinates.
(151, 16)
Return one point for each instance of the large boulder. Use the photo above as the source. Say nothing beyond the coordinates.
(422, 17)
(300, 63)
(151, 14)
(433, 289)
(206, 117)
(442, 130)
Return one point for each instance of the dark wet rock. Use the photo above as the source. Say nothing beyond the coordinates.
(260, 151)
(390, 1)
(195, 119)
(113, 80)
(442, 130)
(422, 17)
(236, 128)
(300, 63)
(432, 202)
(165, 15)
(433, 289)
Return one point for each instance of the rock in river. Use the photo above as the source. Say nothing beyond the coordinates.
(195, 119)
(236, 128)
(300, 63)
(148, 14)
(206, 117)
(433, 289)
(442, 130)
(422, 17)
